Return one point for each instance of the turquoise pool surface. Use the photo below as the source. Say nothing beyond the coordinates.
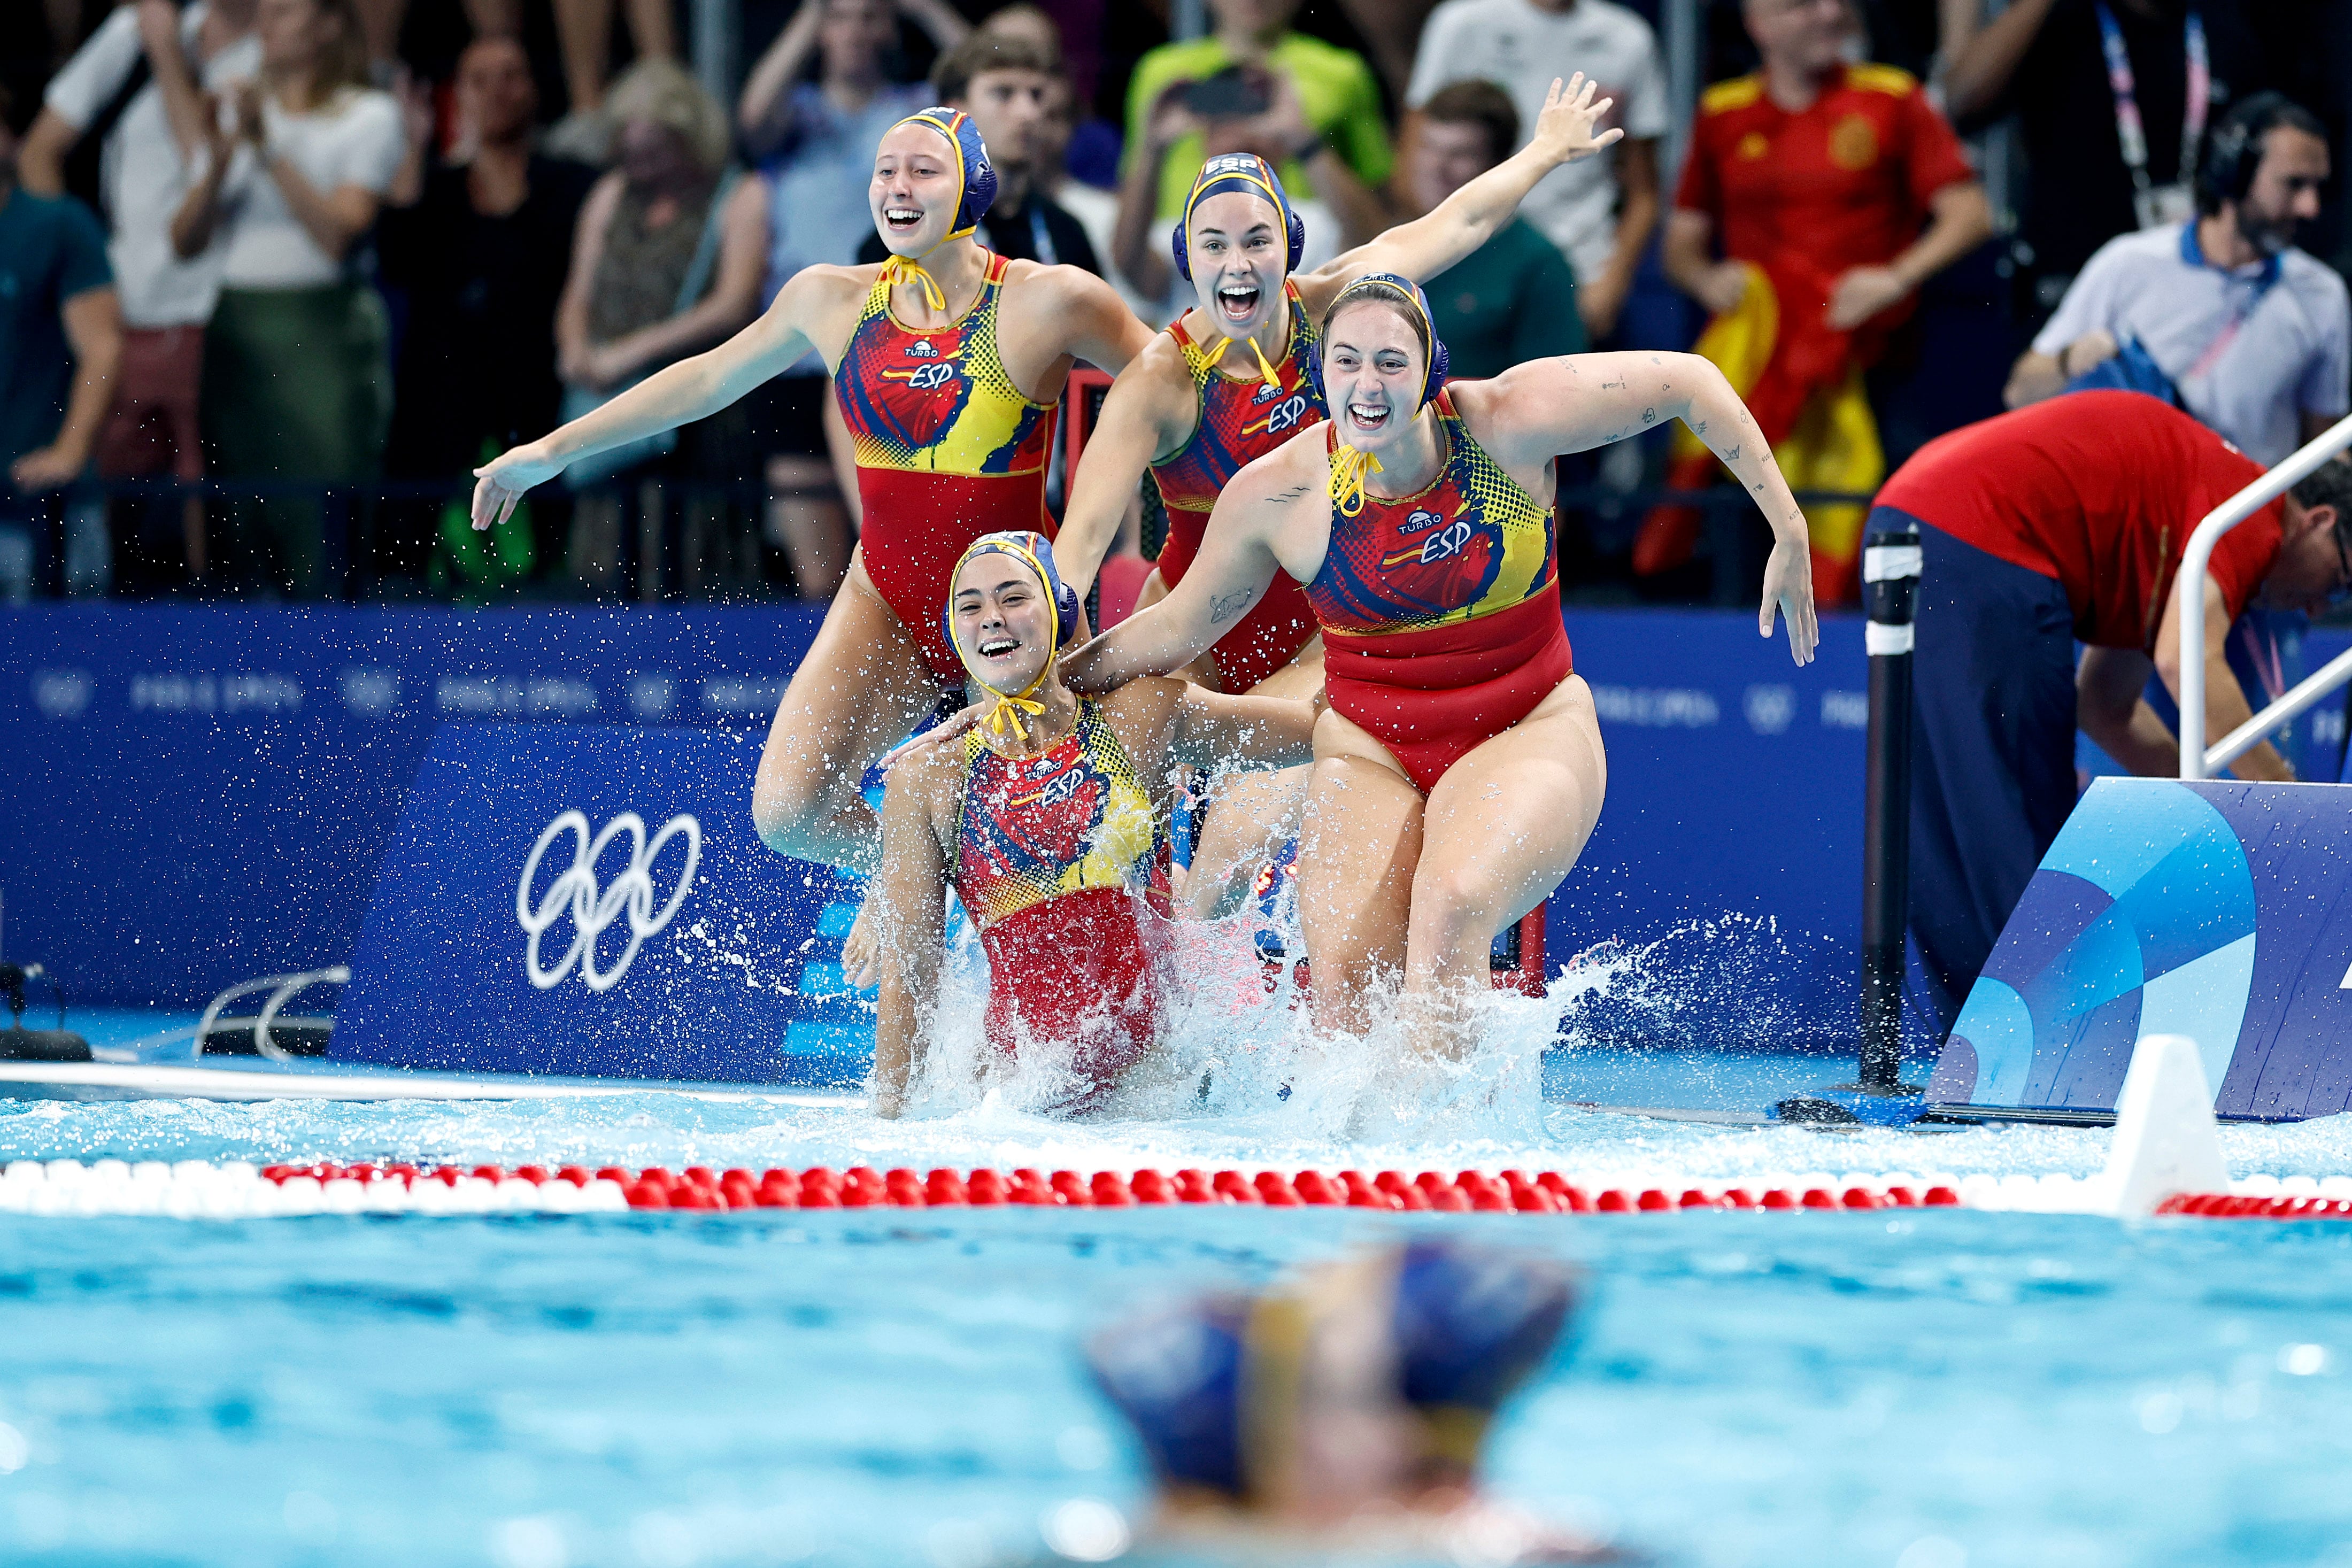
(1924, 1390)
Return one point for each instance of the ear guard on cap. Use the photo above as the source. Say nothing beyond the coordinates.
(1238, 172)
(975, 174)
(1035, 551)
(1440, 362)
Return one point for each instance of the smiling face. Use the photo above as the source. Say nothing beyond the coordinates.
(1373, 371)
(1238, 253)
(915, 190)
(1003, 622)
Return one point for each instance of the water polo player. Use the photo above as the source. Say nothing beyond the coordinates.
(1045, 811)
(949, 361)
(1340, 1416)
(1226, 382)
(1460, 769)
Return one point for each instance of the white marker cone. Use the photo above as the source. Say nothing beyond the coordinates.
(2165, 1139)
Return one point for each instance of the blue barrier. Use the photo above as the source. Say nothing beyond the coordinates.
(204, 795)
(592, 900)
(2214, 910)
(195, 796)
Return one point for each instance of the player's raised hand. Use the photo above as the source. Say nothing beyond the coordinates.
(1564, 129)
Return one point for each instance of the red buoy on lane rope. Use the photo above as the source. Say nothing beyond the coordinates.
(984, 1190)
(1150, 1187)
(1108, 1191)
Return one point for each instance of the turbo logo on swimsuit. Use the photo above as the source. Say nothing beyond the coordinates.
(574, 893)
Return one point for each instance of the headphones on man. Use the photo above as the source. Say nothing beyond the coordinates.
(1034, 550)
(1440, 362)
(1238, 172)
(2234, 153)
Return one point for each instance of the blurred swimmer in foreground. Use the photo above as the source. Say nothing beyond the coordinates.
(1046, 813)
(1340, 1417)
(1459, 770)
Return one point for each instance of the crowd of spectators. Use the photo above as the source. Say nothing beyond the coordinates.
(276, 274)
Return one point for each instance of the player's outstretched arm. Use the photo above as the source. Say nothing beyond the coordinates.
(1220, 732)
(1148, 411)
(1474, 214)
(1581, 401)
(693, 388)
(909, 897)
(1236, 567)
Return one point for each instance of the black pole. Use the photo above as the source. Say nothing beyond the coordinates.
(1890, 588)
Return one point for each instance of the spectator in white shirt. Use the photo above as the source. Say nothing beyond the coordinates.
(144, 74)
(2250, 334)
(1601, 211)
(296, 382)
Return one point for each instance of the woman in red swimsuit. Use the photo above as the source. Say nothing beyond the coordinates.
(1459, 770)
(1226, 383)
(1047, 816)
(950, 361)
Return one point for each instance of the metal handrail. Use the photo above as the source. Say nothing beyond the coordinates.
(2196, 762)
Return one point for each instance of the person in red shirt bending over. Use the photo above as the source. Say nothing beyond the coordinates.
(2063, 523)
(1815, 177)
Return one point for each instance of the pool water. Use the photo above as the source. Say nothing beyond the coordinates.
(1923, 1390)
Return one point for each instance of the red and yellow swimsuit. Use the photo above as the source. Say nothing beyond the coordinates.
(1441, 610)
(1060, 863)
(1240, 421)
(947, 449)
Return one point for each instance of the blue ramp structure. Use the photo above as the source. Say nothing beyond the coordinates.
(2217, 910)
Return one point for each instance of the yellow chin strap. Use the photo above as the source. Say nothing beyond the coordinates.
(1349, 467)
(905, 268)
(1003, 720)
(1263, 369)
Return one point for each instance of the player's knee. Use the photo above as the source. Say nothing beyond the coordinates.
(1452, 899)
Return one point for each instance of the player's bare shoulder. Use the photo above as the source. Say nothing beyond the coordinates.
(1295, 472)
(1143, 713)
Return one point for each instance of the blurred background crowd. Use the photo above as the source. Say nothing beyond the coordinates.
(275, 275)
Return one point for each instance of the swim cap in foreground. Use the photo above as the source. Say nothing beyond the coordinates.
(1035, 551)
(975, 181)
(1218, 1388)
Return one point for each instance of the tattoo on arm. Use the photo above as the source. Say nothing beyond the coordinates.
(1225, 606)
(1284, 498)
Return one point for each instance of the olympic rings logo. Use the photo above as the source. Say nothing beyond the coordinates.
(574, 893)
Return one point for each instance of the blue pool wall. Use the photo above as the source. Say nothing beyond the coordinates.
(199, 795)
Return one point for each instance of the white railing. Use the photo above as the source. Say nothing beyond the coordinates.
(2196, 761)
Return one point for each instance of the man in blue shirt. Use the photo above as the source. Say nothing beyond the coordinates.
(2247, 332)
(60, 342)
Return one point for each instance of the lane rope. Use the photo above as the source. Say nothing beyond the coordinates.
(234, 1189)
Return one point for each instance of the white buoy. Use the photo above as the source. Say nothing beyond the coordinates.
(2167, 1139)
